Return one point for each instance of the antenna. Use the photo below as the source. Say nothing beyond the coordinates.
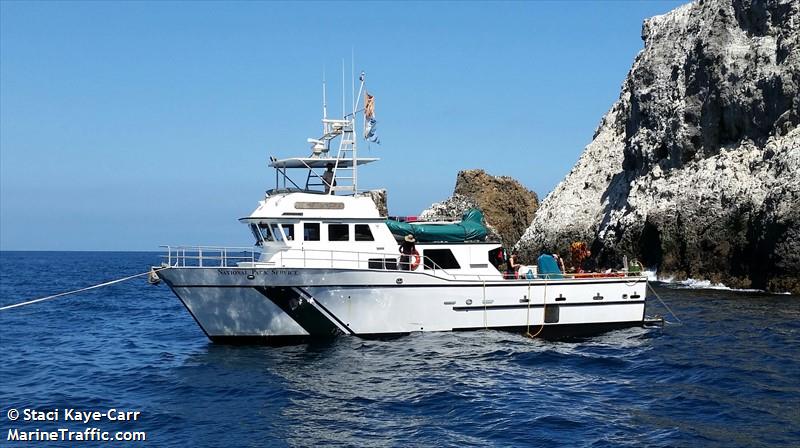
(343, 94)
(324, 96)
(362, 78)
(353, 81)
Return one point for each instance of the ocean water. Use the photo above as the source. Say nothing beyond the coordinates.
(730, 376)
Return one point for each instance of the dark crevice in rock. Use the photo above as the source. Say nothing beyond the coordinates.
(650, 245)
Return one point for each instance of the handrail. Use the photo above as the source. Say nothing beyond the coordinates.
(224, 256)
(218, 256)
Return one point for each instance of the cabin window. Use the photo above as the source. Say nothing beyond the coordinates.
(276, 232)
(338, 232)
(256, 234)
(439, 259)
(288, 230)
(265, 233)
(497, 257)
(363, 233)
(383, 263)
(311, 231)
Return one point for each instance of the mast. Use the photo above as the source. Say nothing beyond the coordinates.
(344, 101)
(345, 162)
(346, 174)
(325, 126)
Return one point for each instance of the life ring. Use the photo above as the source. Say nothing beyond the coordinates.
(416, 262)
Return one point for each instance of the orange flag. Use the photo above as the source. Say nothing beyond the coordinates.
(369, 106)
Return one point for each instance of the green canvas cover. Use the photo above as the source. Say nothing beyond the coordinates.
(470, 228)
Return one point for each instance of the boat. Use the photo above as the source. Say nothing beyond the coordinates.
(325, 263)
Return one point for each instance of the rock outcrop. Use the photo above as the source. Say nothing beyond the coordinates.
(379, 197)
(696, 168)
(508, 207)
(452, 209)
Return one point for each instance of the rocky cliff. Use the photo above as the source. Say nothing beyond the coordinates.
(696, 168)
(508, 207)
(379, 197)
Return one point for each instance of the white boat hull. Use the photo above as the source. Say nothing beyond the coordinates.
(284, 304)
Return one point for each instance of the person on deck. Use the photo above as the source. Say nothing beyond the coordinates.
(407, 250)
(512, 267)
(559, 261)
(328, 179)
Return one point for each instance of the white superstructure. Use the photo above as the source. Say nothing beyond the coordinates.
(326, 263)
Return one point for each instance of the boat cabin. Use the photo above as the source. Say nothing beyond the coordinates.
(319, 219)
(310, 230)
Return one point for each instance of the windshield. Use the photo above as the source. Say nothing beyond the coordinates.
(265, 234)
(276, 232)
(256, 234)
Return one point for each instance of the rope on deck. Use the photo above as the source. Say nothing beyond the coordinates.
(99, 285)
(544, 310)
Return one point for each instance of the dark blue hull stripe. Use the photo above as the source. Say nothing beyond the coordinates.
(326, 310)
(299, 308)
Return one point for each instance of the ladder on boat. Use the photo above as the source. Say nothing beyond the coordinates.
(345, 175)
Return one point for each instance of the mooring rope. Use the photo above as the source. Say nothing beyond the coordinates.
(665, 305)
(99, 285)
(544, 310)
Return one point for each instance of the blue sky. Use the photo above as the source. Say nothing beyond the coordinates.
(132, 124)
